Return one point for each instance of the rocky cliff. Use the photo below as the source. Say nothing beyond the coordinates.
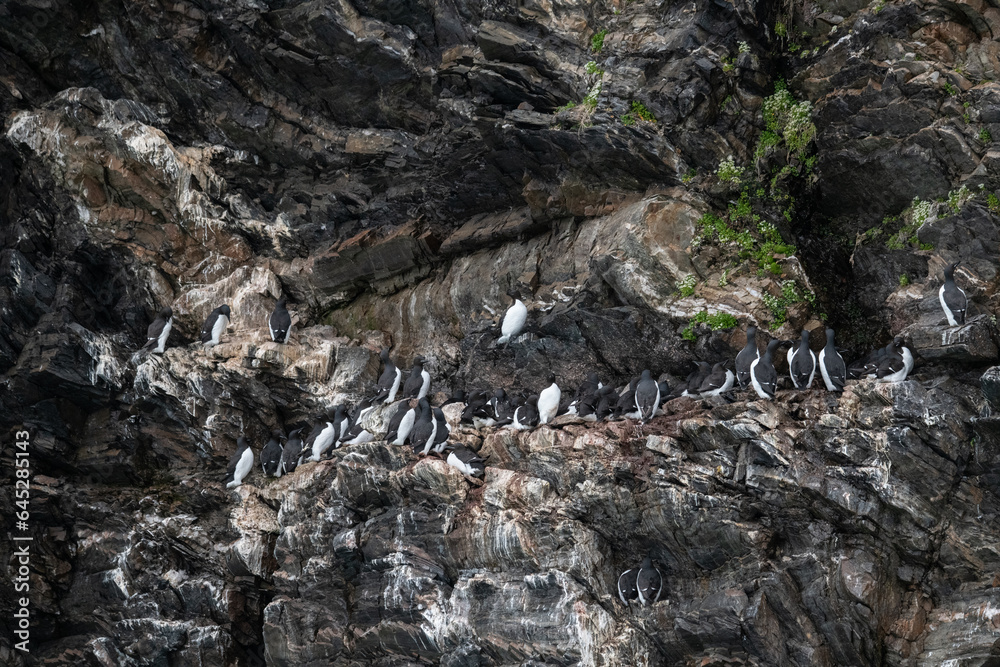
(651, 176)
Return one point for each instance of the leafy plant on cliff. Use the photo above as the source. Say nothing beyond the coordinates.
(686, 285)
(787, 122)
(597, 41)
(791, 294)
(728, 172)
(638, 112)
(715, 322)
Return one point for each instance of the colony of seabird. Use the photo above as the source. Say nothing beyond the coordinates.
(422, 426)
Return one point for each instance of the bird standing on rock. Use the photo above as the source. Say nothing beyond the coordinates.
(526, 416)
(548, 401)
(270, 456)
(747, 356)
(424, 430)
(802, 363)
(719, 381)
(419, 382)
(158, 331)
(240, 465)
(953, 299)
(215, 325)
(280, 322)
(291, 456)
(401, 423)
(647, 396)
(627, 588)
(648, 582)
(832, 365)
(763, 377)
(897, 363)
(513, 319)
(388, 383)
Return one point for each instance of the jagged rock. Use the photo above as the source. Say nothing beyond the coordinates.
(973, 342)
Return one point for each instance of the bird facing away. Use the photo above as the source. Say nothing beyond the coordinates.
(548, 401)
(763, 377)
(388, 383)
(513, 319)
(953, 299)
(280, 322)
(159, 330)
(215, 325)
(831, 365)
(747, 356)
(240, 465)
(802, 363)
(647, 396)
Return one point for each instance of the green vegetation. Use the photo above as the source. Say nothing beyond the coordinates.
(724, 279)
(985, 136)
(994, 203)
(756, 240)
(592, 68)
(744, 47)
(780, 30)
(879, 6)
(728, 64)
(716, 322)
(787, 121)
(638, 112)
(791, 294)
(958, 197)
(904, 280)
(950, 89)
(728, 172)
(686, 285)
(597, 41)
(566, 107)
(689, 175)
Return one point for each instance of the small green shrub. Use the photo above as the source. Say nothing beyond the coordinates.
(567, 106)
(638, 111)
(592, 68)
(597, 41)
(728, 172)
(689, 175)
(956, 198)
(985, 136)
(686, 285)
(904, 280)
(788, 120)
(950, 89)
(590, 101)
(994, 203)
(715, 322)
(744, 47)
(780, 30)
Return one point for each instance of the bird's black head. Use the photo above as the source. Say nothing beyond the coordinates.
(551, 378)
(224, 309)
(533, 399)
(384, 354)
(166, 312)
(418, 361)
(282, 302)
(514, 293)
(459, 395)
(805, 336)
(277, 434)
(949, 271)
(500, 394)
(751, 332)
(646, 375)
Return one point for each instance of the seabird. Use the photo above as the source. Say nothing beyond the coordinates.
(625, 405)
(215, 325)
(475, 407)
(270, 456)
(291, 456)
(627, 589)
(322, 436)
(240, 465)
(894, 367)
(763, 377)
(831, 365)
(424, 430)
(457, 397)
(513, 319)
(388, 383)
(606, 396)
(747, 356)
(442, 430)
(867, 366)
(526, 416)
(719, 381)
(648, 582)
(548, 401)
(802, 363)
(953, 299)
(647, 396)
(419, 382)
(401, 423)
(466, 461)
(280, 322)
(695, 380)
(157, 332)
(356, 433)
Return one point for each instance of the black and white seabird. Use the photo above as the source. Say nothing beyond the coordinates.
(953, 299)
(401, 423)
(424, 429)
(158, 331)
(647, 396)
(419, 382)
(832, 365)
(625, 405)
(475, 407)
(719, 381)
(442, 430)
(526, 416)
(291, 456)
(215, 325)
(587, 389)
(390, 380)
(867, 366)
(606, 399)
(280, 322)
(763, 377)
(270, 456)
(697, 378)
(747, 356)
(802, 363)
(648, 582)
(240, 465)
(627, 588)
(323, 435)
(466, 461)
(548, 401)
(355, 431)
(456, 397)
(513, 319)
(897, 363)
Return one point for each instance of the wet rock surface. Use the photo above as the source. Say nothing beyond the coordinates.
(394, 168)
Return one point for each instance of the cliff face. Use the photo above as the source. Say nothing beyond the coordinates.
(394, 167)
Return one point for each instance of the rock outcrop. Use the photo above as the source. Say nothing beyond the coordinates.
(646, 175)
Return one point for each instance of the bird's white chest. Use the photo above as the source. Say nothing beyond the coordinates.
(514, 319)
(548, 403)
